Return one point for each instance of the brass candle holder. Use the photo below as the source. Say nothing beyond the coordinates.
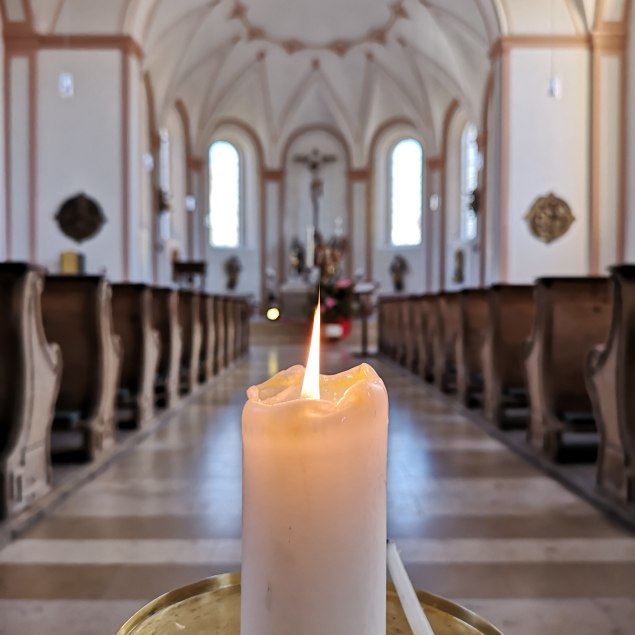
(212, 607)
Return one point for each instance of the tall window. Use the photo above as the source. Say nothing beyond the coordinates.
(225, 190)
(406, 193)
(469, 181)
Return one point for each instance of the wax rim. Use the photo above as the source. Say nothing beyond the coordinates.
(285, 386)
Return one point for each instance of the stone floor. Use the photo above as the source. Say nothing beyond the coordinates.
(474, 522)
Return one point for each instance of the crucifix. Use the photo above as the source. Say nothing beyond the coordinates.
(314, 162)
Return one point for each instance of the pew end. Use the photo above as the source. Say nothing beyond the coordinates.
(77, 314)
(190, 323)
(32, 368)
(610, 377)
(165, 320)
(572, 317)
(469, 340)
(445, 334)
(132, 318)
(511, 312)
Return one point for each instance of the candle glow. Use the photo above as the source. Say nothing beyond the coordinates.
(311, 383)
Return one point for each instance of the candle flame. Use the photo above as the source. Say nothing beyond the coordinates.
(311, 384)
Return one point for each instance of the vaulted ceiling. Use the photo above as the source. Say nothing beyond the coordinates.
(350, 64)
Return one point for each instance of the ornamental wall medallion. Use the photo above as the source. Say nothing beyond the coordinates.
(549, 218)
(80, 218)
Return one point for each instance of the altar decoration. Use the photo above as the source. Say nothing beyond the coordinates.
(314, 502)
(337, 307)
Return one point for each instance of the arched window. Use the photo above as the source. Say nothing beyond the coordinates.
(469, 181)
(225, 195)
(406, 193)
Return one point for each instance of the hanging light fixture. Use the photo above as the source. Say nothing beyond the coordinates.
(555, 81)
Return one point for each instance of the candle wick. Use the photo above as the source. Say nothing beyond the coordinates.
(311, 383)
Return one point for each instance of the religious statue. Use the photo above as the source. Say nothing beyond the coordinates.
(314, 162)
(298, 257)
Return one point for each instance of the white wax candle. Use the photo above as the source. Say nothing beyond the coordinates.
(314, 506)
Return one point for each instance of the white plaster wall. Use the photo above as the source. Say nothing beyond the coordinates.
(19, 223)
(143, 238)
(359, 229)
(541, 16)
(273, 193)
(90, 16)
(384, 252)
(249, 250)
(492, 199)
(452, 206)
(610, 160)
(79, 150)
(178, 186)
(630, 168)
(139, 225)
(433, 240)
(298, 208)
(3, 183)
(549, 151)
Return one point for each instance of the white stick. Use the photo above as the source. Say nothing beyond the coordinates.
(407, 595)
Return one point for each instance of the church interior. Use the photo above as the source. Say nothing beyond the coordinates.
(451, 183)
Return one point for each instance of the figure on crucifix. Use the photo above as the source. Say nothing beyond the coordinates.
(314, 161)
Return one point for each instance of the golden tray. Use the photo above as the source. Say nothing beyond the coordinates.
(212, 607)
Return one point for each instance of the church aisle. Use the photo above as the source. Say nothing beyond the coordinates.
(475, 523)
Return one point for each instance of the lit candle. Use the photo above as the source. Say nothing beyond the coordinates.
(314, 503)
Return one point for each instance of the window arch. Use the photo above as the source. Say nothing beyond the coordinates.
(469, 181)
(406, 193)
(225, 200)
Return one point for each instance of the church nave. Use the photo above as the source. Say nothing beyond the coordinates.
(474, 522)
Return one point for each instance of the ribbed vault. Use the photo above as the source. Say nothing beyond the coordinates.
(350, 64)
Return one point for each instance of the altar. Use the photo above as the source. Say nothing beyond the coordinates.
(295, 298)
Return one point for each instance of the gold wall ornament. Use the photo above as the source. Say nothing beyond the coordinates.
(549, 218)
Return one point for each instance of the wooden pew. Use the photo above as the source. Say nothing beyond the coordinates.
(190, 322)
(610, 375)
(511, 315)
(165, 319)
(391, 320)
(471, 334)
(427, 316)
(208, 334)
(220, 334)
(445, 325)
(572, 316)
(242, 321)
(30, 376)
(132, 319)
(381, 326)
(411, 333)
(238, 318)
(244, 331)
(236, 307)
(230, 326)
(77, 314)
